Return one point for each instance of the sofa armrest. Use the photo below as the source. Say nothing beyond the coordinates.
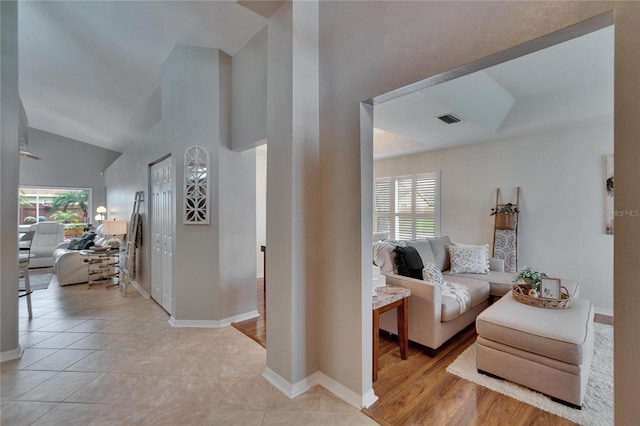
(496, 265)
(420, 289)
(63, 245)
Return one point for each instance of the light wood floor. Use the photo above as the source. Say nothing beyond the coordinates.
(256, 328)
(419, 391)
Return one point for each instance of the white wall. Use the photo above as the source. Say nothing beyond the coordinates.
(9, 173)
(66, 163)
(249, 93)
(127, 175)
(261, 206)
(219, 258)
(561, 176)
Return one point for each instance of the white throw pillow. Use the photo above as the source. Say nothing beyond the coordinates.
(383, 255)
(431, 273)
(469, 259)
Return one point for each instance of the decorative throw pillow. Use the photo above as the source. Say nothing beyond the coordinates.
(432, 274)
(73, 244)
(484, 245)
(469, 259)
(408, 262)
(383, 255)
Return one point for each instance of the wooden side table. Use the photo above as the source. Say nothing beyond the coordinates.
(387, 298)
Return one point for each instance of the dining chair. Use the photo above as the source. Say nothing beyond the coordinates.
(24, 255)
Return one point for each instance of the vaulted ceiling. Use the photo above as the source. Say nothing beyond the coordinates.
(91, 70)
(566, 85)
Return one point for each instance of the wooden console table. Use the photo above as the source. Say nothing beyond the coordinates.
(387, 298)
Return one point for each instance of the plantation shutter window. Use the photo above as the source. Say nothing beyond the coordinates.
(382, 208)
(407, 206)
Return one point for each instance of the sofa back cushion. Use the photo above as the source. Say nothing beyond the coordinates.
(424, 249)
(440, 252)
(408, 262)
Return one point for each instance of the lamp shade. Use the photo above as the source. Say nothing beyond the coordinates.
(101, 209)
(114, 227)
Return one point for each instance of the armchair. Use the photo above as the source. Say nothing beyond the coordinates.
(47, 236)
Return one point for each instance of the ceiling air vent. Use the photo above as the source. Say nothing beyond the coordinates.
(449, 118)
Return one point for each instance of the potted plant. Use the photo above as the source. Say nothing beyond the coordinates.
(505, 216)
(529, 276)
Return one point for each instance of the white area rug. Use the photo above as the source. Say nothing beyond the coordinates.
(597, 409)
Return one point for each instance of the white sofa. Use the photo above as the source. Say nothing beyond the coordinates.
(433, 317)
(69, 265)
(45, 240)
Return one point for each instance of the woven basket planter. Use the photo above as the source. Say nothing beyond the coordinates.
(505, 221)
(520, 293)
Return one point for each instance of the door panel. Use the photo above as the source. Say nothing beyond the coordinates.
(161, 229)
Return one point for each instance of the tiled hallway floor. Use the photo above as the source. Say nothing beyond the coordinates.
(94, 357)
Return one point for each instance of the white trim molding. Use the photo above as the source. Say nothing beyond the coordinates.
(12, 354)
(319, 378)
(142, 292)
(212, 323)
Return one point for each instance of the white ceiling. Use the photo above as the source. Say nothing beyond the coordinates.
(91, 70)
(561, 86)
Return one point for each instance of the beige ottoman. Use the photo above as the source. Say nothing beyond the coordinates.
(543, 349)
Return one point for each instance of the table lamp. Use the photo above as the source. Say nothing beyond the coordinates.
(101, 210)
(114, 228)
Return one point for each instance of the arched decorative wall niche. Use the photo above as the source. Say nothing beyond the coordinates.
(196, 185)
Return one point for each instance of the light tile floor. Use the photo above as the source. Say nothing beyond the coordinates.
(95, 357)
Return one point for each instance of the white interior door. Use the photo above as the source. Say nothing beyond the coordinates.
(161, 231)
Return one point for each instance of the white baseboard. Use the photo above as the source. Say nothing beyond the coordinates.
(319, 378)
(12, 354)
(142, 292)
(212, 323)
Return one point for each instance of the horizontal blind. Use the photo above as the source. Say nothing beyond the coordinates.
(382, 205)
(407, 207)
(425, 206)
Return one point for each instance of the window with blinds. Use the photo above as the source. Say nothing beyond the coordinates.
(407, 207)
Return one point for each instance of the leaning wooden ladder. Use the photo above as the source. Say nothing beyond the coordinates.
(132, 237)
(511, 259)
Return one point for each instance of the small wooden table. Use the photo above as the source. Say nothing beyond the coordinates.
(387, 298)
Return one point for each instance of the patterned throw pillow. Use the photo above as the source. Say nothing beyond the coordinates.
(431, 273)
(469, 259)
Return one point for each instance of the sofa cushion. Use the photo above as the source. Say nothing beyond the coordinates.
(424, 249)
(501, 282)
(440, 252)
(408, 262)
(469, 259)
(478, 290)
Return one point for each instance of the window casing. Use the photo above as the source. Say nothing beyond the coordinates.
(408, 207)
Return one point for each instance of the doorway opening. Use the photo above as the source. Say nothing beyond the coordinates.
(515, 150)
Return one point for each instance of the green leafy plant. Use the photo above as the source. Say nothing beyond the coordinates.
(508, 208)
(529, 276)
(22, 200)
(65, 217)
(65, 199)
(29, 220)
